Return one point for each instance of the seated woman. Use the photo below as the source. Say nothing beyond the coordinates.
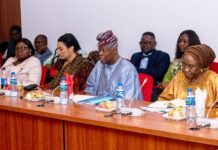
(186, 38)
(26, 67)
(71, 63)
(194, 74)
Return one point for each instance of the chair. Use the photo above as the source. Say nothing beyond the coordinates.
(147, 88)
(214, 66)
(44, 71)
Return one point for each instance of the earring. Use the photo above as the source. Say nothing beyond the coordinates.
(202, 70)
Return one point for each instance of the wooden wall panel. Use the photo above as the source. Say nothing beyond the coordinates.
(86, 137)
(27, 132)
(10, 14)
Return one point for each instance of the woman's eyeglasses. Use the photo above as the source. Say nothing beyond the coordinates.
(23, 48)
(188, 66)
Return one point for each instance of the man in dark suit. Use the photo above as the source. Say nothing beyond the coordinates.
(151, 61)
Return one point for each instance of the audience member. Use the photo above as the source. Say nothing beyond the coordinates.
(186, 38)
(15, 35)
(42, 50)
(70, 62)
(26, 67)
(151, 61)
(194, 74)
(111, 70)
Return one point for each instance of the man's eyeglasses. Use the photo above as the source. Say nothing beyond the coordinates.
(146, 42)
(23, 48)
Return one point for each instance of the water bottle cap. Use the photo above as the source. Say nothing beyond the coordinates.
(120, 84)
(12, 73)
(63, 78)
(189, 89)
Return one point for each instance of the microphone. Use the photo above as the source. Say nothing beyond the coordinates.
(134, 111)
(54, 90)
(212, 123)
(214, 103)
(143, 83)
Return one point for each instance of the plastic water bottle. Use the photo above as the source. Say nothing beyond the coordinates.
(190, 109)
(63, 91)
(13, 85)
(120, 97)
(3, 78)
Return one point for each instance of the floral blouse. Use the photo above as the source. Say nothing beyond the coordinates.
(80, 68)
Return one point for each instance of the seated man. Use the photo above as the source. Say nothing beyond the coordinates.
(151, 61)
(112, 69)
(42, 51)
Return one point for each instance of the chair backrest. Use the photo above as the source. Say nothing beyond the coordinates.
(147, 88)
(214, 66)
(44, 71)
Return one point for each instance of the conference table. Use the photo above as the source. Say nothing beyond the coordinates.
(24, 125)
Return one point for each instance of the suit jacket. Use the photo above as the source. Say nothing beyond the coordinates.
(158, 63)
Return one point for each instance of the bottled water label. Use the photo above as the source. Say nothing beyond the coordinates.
(3, 81)
(120, 94)
(190, 100)
(63, 87)
(13, 81)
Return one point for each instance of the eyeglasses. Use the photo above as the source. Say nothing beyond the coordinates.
(23, 48)
(146, 42)
(188, 66)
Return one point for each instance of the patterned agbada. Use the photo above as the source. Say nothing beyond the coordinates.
(80, 68)
(104, 78)
(178, 87)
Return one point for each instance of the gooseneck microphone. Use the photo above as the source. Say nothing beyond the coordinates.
(134, 111)
(142, 85)
(54, 90)
(214, 103)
